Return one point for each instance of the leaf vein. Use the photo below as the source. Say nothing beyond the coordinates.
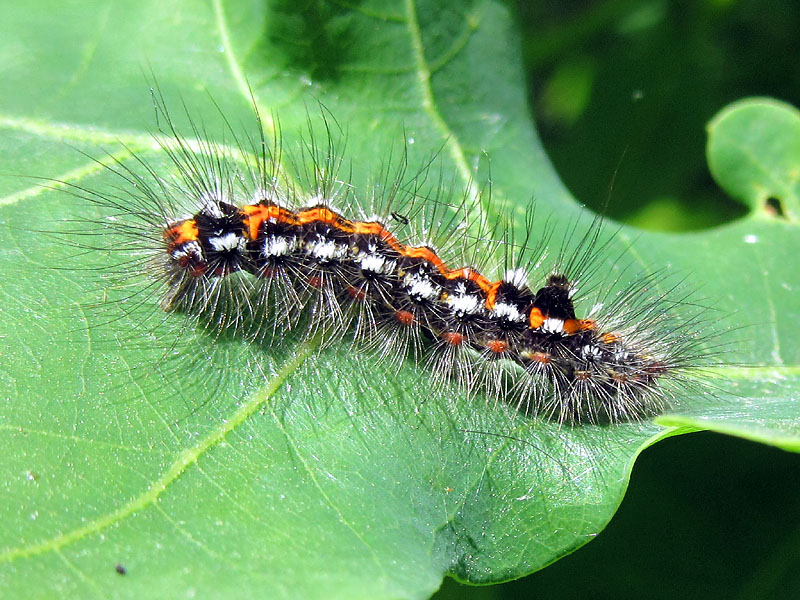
(185, 459)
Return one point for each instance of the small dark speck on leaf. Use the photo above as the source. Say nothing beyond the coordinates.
(774, 208)
(120, 569)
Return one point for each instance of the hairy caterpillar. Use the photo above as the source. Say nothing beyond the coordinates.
(259, 241)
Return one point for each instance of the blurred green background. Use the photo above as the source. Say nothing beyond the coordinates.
(622, 91)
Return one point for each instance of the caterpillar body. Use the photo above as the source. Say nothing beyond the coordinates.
(236, 242)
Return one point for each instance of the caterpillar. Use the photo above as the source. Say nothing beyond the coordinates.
(260, 241)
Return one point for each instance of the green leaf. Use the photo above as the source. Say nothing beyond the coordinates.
(216, 467)
(754, 153)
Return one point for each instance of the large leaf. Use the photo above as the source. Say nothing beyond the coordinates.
(210, 466)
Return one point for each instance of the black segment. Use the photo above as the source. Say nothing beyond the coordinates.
(554, 299)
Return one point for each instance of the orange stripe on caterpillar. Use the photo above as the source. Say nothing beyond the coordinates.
(183, 232)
